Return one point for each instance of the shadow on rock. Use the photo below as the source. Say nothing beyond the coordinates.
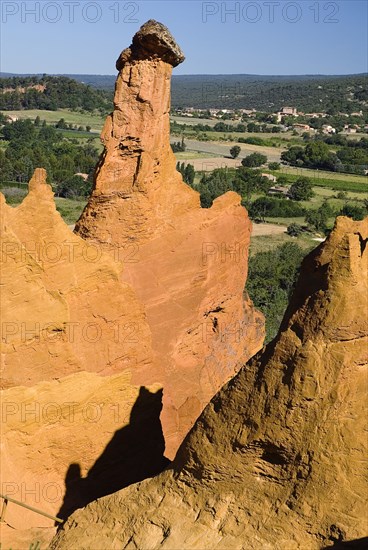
(134, 453)
(357, 544)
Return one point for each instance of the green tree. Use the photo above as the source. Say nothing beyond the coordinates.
(318, 218)
(3, 119)
(275, 208)
(271, 279)
(317, 155)
(76, 186)
(294, 155)
(254, 160)
(252, 127)
(61, 124)
(353, 211)
(249, 181)
(294, 230)
(214, 184)
(221, 127)
(235, 151)
(301, 189)
(189, 174)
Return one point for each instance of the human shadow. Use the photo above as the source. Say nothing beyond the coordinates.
(134, 453)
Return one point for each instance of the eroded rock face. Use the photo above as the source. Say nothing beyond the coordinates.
(72, 334)
(278, 458)
(188, 265)
(64, 306)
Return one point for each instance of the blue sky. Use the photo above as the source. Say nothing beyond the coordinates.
(259, 36)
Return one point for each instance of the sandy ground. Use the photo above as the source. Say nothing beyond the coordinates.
(17, 539)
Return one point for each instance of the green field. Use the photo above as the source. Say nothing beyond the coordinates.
(321, 194)
(321, 174)
(265, 243)
(83, 137)
(96, 121)
(69, 209)
(333, 180)
(269, 139)
(326, 184)
(323, 178)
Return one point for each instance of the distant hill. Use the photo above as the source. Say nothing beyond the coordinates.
(50, 93)
(308, 93)
(98, 81)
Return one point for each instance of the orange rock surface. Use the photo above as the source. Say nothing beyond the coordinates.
(72, 334)
(188, 265)
(278, 459)
(64, 307)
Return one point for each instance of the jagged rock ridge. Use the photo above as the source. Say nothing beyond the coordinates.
(68, 354)
(278, 458)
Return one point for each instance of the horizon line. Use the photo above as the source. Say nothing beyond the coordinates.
(364, 73)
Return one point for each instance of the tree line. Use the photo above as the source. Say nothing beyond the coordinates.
(352, 157)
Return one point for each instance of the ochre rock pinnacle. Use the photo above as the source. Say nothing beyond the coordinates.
(187, 264)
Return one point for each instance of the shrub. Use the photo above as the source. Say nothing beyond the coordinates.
(341, 195)
(294, 230)
(252, 140)
(254, 160)
(234, 151)
(352, 211)
(274, 208)
(301, 189)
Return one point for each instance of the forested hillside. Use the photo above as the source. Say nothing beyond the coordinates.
(270, 93)
(307, 93)
(51, 93)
